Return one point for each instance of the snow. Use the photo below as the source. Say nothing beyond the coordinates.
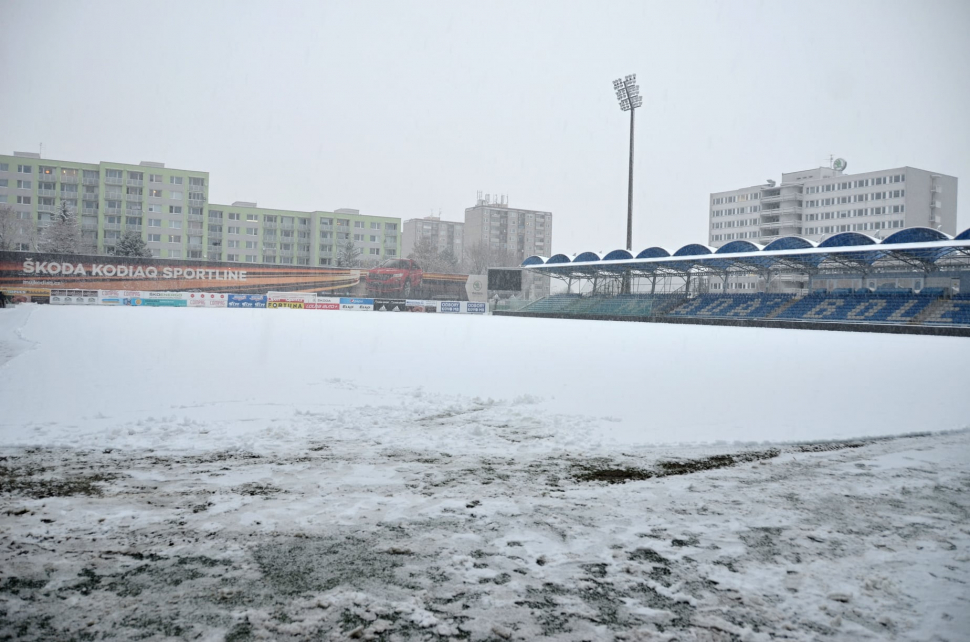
(285, 474)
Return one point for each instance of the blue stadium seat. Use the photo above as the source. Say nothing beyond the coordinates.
(867, 307)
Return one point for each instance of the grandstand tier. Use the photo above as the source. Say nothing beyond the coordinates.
(931, 306)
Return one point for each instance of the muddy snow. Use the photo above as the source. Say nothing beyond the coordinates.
(296, 475)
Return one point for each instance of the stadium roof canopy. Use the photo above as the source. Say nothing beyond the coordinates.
(914, 248)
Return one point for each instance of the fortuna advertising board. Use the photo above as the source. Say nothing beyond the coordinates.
(356, 304)
(289, 300)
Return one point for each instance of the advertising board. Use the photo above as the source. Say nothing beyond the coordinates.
(347, 303)
(216, 300)
(453, 307)
(74, 297)
(323, 303)
(389, 305)
(414, 305)
(246, 301)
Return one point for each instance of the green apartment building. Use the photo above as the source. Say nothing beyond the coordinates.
(170, 208)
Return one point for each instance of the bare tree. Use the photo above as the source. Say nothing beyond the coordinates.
(63, 236)
(426, 253)
(481, 256)
(15, 231)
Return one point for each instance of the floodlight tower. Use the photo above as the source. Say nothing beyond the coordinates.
(628, 93)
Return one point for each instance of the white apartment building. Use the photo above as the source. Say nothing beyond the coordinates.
(818, 203)
(444, 235)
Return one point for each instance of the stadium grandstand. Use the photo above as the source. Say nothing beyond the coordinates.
(917, 278)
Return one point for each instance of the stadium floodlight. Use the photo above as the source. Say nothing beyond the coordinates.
(628, 93)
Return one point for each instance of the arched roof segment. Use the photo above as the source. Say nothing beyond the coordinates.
(916, 235)
(557, 258)
(735, 247)
(586, 257)
(694, 249)
(534, 260)
(655, 253)
(846, 239)
(789, 243)
(963, 236)
(618, 255)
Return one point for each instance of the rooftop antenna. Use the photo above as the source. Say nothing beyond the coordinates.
(41, 154)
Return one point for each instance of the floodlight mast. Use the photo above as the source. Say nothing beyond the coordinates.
(628, 93)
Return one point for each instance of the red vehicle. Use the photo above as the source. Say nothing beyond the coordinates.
(394, 276)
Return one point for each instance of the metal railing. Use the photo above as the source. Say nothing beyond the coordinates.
(138, 198)
(112, 226)
(46, 192)
(215, 235)
(113, 180)
(270, 226)
(67, 178)
(89, 226)
(112, 210)
(135, 182)
(91, 180)
(194, 202)
(133, 228)
(89, 210)
(195, 217)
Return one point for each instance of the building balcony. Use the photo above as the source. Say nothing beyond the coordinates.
(781, 211)
(92, 180)
(46, 192)
(195, 217)
(303, 254)
(89, 226)
(215, 235)
(66, 178)
(112, 226)
(116, 211)
(136, 198)
(132, 228)
(214, 256)
(113, 196)
(287, 226)
(135, 182)
(194, 202)
(270, 226)
(45, 209)
(91, 211)
(113, 180)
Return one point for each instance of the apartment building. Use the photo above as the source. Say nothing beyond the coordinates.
(513, 232)
(818, 203)
(443, 235)
(170, 208)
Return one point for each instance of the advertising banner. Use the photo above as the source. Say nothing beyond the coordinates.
(289, 300)
(246, 301)
(109, 297)
(216, 299)
(473, 307)
(74, 297)
(323, 303)
(420, 306)
(453, 307)
(477, 288)
(389, 305)
(196, 299)
(347, 303)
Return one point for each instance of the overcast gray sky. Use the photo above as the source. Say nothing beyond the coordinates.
(404, 108)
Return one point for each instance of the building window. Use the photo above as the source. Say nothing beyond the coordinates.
(174, 209)
(375, 251)
(27, 185)
(154, 222)
(233, 216)
(232, 244)
(175, 196)
(232, 230)
(155, 193)
(174, 238)
(358, 237)
(359, 225)
(25, 169)
(326, 261)
(232, 257)
(23, 200)
(250, 258)
(154, 238)
(252, 217)
(252, 231)
(175, 180)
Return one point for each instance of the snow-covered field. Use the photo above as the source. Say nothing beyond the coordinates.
(282, 474)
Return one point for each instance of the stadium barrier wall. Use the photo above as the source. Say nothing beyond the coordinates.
(271, 300)
(945, 331)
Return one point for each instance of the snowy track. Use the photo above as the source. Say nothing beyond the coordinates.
(273, 475)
